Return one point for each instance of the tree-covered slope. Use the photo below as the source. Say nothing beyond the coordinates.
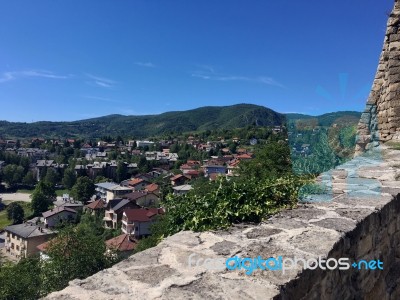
(203, 118)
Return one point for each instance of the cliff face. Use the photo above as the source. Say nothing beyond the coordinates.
(380, 121)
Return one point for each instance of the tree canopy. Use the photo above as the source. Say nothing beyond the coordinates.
(83, 189)
(15, 213)
(42, 197)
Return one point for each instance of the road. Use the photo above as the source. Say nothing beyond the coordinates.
(16, 197)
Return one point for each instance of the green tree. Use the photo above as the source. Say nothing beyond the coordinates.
(15, 213)
(69, 178)
(76, 252)
(13, 174)
(51, 177)
(122, 172)
(42, 197)
(83, 189)
(29, 178)
(270, 161)
(21, 280)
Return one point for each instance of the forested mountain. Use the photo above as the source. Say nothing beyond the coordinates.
(203, 118)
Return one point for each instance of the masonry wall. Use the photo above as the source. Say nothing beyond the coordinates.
(376, 237)
(380, 121)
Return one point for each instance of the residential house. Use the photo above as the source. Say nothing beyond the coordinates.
(136, 152)
(155, 173)
(143, 198)
(123, 244)
(96, 169)
(114, 210)
(131, 143)
(182, 189)
(153, 188)
(144, 143)
(42, 165)
(22, 239)
(192, 174)
(209, 169)
(137, 222)
(233, 167)
(185, 168)
(193, 163)
(59, 214)
(103, 187)
(245, 156)
(110, 190)
(80, 170)
(178, 179)
(96, 207)
(76, 205)
(143, 176)
(136, 184)
(118, 192)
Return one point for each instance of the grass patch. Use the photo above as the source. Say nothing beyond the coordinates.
(3, 219)
(59, 193)
(3, 214)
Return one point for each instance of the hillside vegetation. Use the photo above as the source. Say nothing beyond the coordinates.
(203, 118)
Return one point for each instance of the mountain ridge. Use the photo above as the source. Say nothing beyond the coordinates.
(143, 126)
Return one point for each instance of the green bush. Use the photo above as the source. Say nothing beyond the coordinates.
(232, 202)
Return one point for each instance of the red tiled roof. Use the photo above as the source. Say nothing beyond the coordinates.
(142, 214)
(98, 204)
(176, 177)
(244, 156)
(152, 187)
(186, 167)
(135, 181)
(193, 172)
(122, 242)
(234, 163)
(43, 247)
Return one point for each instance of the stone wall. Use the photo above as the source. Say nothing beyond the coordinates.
(381, 118)
(358, 220)
(375, 237)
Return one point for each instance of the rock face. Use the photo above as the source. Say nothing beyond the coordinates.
(380, 121)
(358, 219)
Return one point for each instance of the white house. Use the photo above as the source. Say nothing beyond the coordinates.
(110, 190)
(182, 189)
(54, 216)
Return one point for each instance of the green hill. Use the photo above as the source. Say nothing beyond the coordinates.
(203, 118)
(328, 119)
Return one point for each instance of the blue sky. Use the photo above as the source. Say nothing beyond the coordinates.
(70, 60)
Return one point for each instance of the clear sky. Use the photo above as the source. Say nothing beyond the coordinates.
(74, 59)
